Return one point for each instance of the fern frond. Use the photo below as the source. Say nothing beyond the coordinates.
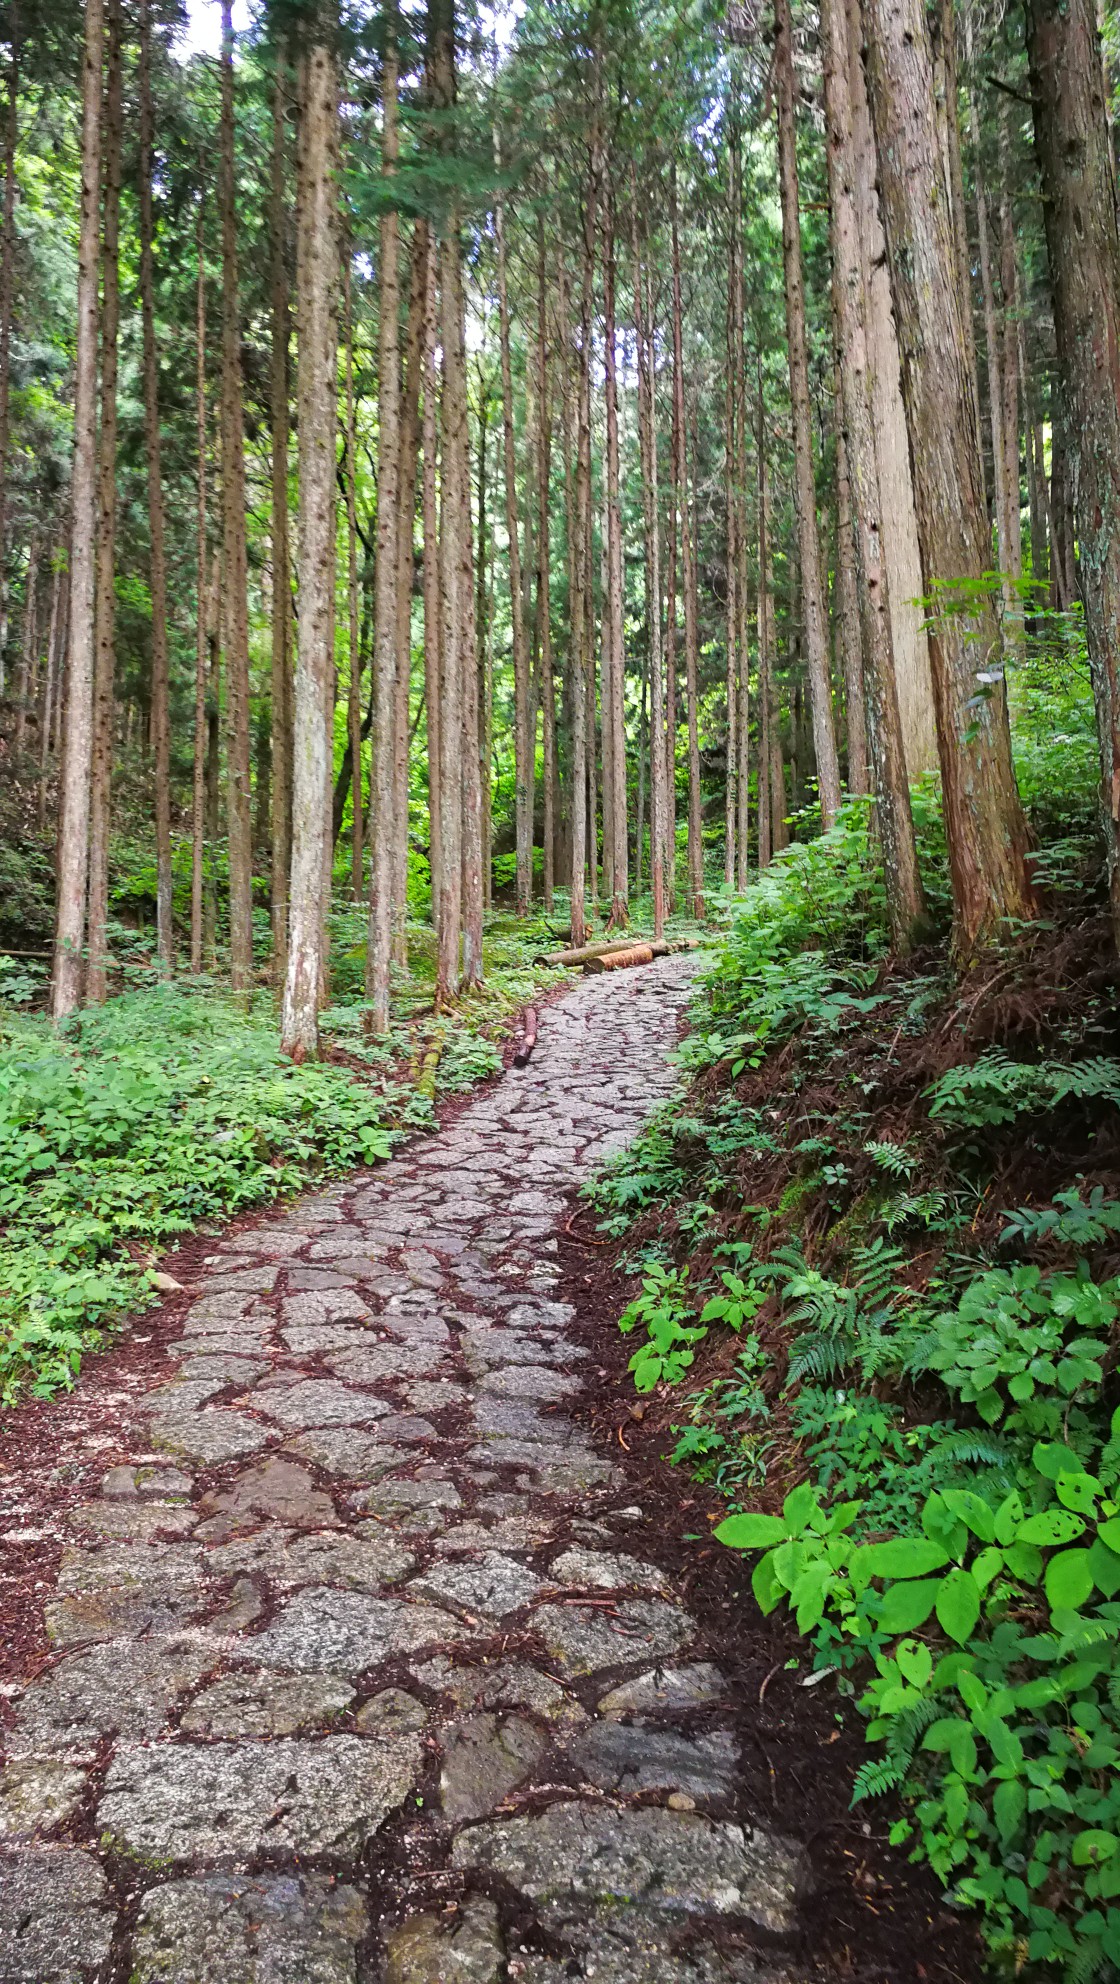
(820, 1355)
(877, 1776)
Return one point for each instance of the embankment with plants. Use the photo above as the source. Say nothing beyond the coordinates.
(171, 1108)
(877, 1288)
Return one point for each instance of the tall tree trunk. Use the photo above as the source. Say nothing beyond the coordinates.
(24, 673)
(317, 383)
(353, 626)
(736, 758)
(1079, 205)
(198, 790)
(671, 664)
(771, 775)
(7, 290)
(901, 551)
(213, 759)
(618, 882)
(688, 580)
(104, 663)
(433, 638)
(482, 626)
(544, 583)
(581, 633)
(235, 575)
(905, 902)
(50, 687)
(651, 520)
(814, 611)
(522, 761)
(386, 661)
(406, 533)
(73, 832)
(1011, 556)
(157, 580)
(994, 347)
(848, 628)
(984, 821)
(279, 390)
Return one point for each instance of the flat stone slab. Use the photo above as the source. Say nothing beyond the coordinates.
(601, 1570)
(391, 1712)
(559, 1470)
(508, 1684)
(484, 1759)
(344, 1632)
(374, 1362)
(325, 1305)
(638, 1949)
(630, 1757)
(671, 1862)
(691, 1686)
(265, 1704)
(275, 1490)
(360, 1563)
(124, 1690)
(524, 1381)
(37, 1794)
(56, 1916)
(492, 1587)
(315, 1402)
(210, 1436)
(180, 1802)
(583, 1640)
(240, 1929)
(430, 1949)
(348, 1452)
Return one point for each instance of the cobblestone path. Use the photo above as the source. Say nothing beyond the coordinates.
(369, 1616)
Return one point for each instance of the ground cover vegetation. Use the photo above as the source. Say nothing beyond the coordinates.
(876, 1307)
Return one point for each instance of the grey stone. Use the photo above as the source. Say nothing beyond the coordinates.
(636, 1948)
(509, 1533)
(672, 1862)
(219, 1310)
(492, 1587)
(344, 1632)
(113, 1564)
(259, 1280)
(690, 1686)
(583, 1640)
(311, 1339)
(258, 1929)
(559, 1470)
(315, 1402)
(522, 1381)
(409, 1426)
(265, 1241)
(274, 1490)
(517, 1419)
(209, 1437)
(485, 1758)
(361, 1563)
(602, 1570)
(435, 1395)
(264, 1704)
(347, 1452)
(56, 1916)
(37, 1794)
(392, 1712)
(324, 1306)
(127, 1613)
(430, 1949)
(126, 1688)
(139, 1521)
(510, 1684)
(398, 1500)
(632, 1757)
(152, 1484)
(373, 1363)
(179, 1802)
(225, 1367)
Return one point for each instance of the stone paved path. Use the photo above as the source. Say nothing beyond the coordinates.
(368, 1599)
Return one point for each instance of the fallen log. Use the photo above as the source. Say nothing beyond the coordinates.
(528, 1039)
(580, 956)
(619, 960)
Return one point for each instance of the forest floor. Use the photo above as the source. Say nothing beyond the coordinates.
(350, 1642)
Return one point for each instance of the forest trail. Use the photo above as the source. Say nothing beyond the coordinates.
(369, 1616)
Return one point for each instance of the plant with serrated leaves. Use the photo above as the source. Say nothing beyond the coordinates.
(1069, 1221)
(661, 1309)
(1016, 1330)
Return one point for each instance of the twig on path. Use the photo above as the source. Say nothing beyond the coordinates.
(774, 1670)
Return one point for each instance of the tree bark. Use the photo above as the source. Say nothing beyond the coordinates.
(317, 385)
(901, 551)
(104, 664)
(198, 789)
(403, 730)
(523, 768)
(736, 755)
(482, 617)
(7, 289)
(386, 661)
(161, 715)
(433, 638)
(985, 827)
(905, 902)
(544, 583)
(688, 580)
(281, 631)
(814, 611)
(353, 626)
(1079, 204)
(235, 575)
(848, 629)
(581, 633)
(73, 834)
(618, 881)
(651, 519)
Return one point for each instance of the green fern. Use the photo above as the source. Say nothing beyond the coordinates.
(876, 1777)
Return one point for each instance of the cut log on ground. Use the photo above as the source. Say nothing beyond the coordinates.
(528, 1039)
(619, 960)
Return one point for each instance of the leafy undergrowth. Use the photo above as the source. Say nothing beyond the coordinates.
(878, 1252)
(171, 1107)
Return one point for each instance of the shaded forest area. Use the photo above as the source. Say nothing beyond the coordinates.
(474, 482)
